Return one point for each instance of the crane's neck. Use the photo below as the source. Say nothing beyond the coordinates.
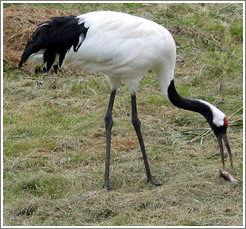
(214, 116)
(165, 75)
(195, 105)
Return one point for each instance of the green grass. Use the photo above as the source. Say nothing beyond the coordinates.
(54, 135)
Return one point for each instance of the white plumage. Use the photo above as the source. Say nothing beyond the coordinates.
(124, 47)
(123, 51)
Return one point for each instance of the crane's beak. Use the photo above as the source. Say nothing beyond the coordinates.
(224, 137)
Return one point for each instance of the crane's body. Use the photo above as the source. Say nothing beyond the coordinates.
(124, 47)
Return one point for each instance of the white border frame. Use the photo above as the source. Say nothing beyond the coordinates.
(2, 2)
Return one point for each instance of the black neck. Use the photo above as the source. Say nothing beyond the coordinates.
(189, 104)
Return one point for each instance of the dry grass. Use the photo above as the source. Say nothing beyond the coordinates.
(17, 29)
(54, 137)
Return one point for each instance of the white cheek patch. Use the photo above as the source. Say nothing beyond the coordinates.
(218, 116)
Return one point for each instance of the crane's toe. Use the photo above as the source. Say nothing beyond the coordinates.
(154, 183)
(106, 186)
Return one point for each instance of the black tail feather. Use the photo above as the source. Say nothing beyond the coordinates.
(55, 37)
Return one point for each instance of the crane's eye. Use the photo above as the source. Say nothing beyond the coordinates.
(225, 122)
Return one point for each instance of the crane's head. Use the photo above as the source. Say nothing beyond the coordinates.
(220, 133)
(219, 124)
(215, 117)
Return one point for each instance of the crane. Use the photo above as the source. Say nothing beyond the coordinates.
(123, 47)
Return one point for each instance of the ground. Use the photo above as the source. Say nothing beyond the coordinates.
(54, 135)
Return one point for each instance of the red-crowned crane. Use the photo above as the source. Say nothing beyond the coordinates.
(124, 47)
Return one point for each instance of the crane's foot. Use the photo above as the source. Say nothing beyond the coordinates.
(106, 186)
(153, 183)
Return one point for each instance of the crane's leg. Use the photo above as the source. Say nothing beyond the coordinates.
(108, 124)
(136, 123)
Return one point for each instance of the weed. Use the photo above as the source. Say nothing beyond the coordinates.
(237, 30)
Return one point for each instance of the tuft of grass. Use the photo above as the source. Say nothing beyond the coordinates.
(47, 185)
(237, 30)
